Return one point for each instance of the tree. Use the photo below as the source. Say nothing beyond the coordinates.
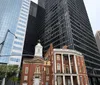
(9, 72)
(2, 71)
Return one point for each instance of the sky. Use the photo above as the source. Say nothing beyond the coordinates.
(36, 1)
(93, 10)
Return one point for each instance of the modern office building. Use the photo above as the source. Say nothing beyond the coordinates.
(31, 32)
(13, 17)
(97, 37)
(67, 23)
(40, 19)
(35, 27)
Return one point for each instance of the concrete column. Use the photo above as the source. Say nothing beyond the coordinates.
(78, 80)
(55, 62)
(55, 80)
(64, 80)
(62, 57)
(72, 80)
(76, 69)
(69, 63)
(75, 64)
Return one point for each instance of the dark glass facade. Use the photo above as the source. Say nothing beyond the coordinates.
(40, 20)
(35, 23)
(31, 32)
(67, 23)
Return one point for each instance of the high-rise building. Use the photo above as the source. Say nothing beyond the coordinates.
(35, 27)
(40, 19)
(97, 37)
(67, 23)
(31, 32)
(13, 17)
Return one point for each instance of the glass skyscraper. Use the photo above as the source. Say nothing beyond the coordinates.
(13, 17)
(67, 23)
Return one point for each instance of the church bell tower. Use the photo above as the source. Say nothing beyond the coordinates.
(38, 49)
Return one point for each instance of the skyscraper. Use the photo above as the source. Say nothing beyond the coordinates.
(40, 19)
(35, 27)
(97, 37)
(13, 17)
(31, 32)
(67, 23)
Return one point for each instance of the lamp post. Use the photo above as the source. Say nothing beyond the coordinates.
(2, 45)
(3, 42)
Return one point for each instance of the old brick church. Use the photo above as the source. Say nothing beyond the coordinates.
(57, 67)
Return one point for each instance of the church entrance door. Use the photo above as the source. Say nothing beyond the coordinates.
(36, 81)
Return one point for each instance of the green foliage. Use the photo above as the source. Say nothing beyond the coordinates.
(2, 71)
(10, 71)
(14, 79)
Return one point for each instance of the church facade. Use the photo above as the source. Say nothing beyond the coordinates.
(57, 67)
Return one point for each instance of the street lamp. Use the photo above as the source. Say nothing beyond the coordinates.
(3, 42)
(2, 45)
